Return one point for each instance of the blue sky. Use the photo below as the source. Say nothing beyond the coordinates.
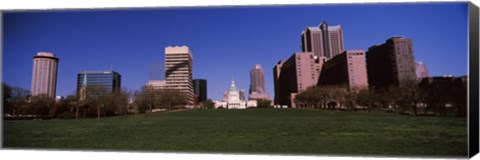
(223, 40)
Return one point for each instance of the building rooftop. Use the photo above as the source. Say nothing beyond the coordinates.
(233, 87)
(98, 71)
(47, 54)
(336, 27)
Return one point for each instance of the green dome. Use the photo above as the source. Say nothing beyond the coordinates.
(233, 87)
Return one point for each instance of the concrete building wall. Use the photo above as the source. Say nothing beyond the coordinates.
(44, 74)
(357, 69)
(345, 69)
(178, 70)
(391, 63)
(335, 35)
(294, 76)
(157, 84)
(405, 60)
(305, 70)
(276, 81)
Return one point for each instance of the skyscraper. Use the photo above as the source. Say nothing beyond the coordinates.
(103, 82)
(257, 82)
(178, 70)
(44, 74)
(345, 69)
(295, 75)
(391, 63)
(421, 70)
(323, 40)
(335, 36)
(312, 41)
(276, 81)
(200, 89)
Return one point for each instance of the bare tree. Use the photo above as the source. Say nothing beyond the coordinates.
(116, 103)
(41, 105)
(18, 98)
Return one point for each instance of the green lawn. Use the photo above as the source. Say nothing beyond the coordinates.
(282, 131)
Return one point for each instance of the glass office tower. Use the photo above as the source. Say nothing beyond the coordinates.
(107, 81)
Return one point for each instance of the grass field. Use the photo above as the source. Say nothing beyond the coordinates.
(257, 131)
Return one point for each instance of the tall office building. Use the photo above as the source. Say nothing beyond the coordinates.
(102, 82)
(276, 82)
(44, 75)
(178, 70)
(312, 41)
(335, 36)
(200, 89)
(420, 70)
(391, 63)
(346, 69)
(257, 82)
(323, 41)
(156, 84)
(295, 75)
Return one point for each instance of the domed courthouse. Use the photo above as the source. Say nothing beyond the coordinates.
(233, 99)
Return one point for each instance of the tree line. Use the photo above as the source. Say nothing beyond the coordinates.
(411, 97)
(88, 102)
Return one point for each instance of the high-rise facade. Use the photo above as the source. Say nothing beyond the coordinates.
(257, 82)
(391, 63)
(312, 41)
(276, 81)
(345, 69)
(178, 70)
(421, 70)
(156, 84)
(102, 82)
(323, 41)
(335, 36)
(44, 74)
(295, 75)
(200, 89)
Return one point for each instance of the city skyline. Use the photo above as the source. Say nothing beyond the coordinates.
(221, 44)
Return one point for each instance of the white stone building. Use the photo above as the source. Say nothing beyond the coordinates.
(233, 100)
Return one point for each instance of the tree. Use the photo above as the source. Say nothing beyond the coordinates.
(149, 98)
(209, 104)
(16, 98)
(460, 98)
(412, 95)
(66, 108)
(93, 98)
(264, 103)
(116, 103)
(366, 98)
(172, 98)
(41, 105)
(7, 94)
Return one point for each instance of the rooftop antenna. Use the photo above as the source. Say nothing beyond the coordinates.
(111, 67)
